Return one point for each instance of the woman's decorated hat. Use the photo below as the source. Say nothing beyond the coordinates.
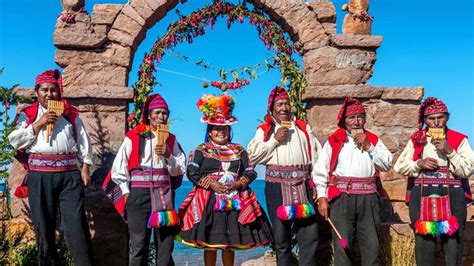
(217, 109)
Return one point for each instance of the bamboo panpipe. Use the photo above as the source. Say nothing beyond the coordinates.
(58, 108)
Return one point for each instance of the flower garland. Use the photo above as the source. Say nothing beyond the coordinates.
(194, 25)
(363, 15)
(230, 85)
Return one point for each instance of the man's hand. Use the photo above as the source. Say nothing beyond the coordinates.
(162, 150)
(235, 185)
(362, 141)
(85, 176)
(442, 146)
(125, 197)
(427, 164)
(49, 117)
(218, 187)
(323, 207)
(281, 134)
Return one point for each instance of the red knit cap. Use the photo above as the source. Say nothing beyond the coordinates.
(157, 102)
(351, 106)
(278, 93)
(51, 76)
(429, 106)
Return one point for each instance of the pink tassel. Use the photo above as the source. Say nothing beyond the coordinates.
(343, 242)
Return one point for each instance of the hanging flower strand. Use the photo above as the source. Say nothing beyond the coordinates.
(194, 25)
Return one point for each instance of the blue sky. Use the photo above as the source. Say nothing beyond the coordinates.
(428, 43)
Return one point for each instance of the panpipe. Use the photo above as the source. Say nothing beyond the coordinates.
(436, 133)
(161, 133)
(357, 131)
(286, 124)
(58, 108)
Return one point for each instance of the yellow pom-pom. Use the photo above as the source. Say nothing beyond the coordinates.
(345, 7)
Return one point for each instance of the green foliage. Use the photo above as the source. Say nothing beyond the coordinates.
(189, 27)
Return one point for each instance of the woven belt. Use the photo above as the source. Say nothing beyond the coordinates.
(354, 185)
(52, 162)
(440, 177)
(286, 174)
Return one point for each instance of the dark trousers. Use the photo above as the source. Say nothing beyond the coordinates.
(306, 230)
(47, 191)
(138, 213)
(452, 245)
(356, 216)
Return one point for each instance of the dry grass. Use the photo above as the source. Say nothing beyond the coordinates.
(397, 250)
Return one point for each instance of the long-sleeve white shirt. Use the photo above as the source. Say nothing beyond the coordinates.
(62, 138)
(293, 151)
(176, 164)
(461, 161)
(352, 162)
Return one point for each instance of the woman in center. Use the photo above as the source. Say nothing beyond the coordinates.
(221, 212)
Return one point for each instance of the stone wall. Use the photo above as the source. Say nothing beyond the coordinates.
(97, 51)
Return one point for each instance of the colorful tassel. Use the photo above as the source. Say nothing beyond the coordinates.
(448, 227)
(160, 219)
(295, 211)
(228, 205)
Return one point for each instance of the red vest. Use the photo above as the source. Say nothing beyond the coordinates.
(336, 140)
(266, 127)
(454, 139)
(31, 111)
(134, 161)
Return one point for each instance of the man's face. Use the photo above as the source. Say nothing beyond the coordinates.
(282, 110)
(158, 116)
(436, 120)
(356, 121)
(47, 91)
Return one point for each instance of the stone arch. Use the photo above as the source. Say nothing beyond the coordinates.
(97, 51)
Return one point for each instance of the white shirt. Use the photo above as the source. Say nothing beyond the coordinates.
(176, 164)
(461, 161)
(352, 162)
(62, 138)
(293, 151)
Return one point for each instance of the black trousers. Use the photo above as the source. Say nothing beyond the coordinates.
(47, 192)
(138, 212)
(306, 230)
(452, 245)
(356, 216)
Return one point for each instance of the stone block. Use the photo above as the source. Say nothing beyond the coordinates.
(358, 41)
(95, 74)
(332, 66)
(142, 8)
(133, 14)
(397, 93)
(77, 35)
(396, 114)
(105, 13)
(329, 28)
(121, 37)
(126, 24)
(342, 91)
(325, 11)
(111, 53)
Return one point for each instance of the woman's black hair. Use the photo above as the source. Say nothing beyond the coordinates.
(209, 129)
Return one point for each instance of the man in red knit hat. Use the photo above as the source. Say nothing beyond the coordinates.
(145, 175)
(348, 186)
(288, 148)
(54, 179)
(438, 162)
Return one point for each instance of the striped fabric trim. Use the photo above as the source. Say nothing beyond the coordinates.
(52, 162)
(356, 185)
